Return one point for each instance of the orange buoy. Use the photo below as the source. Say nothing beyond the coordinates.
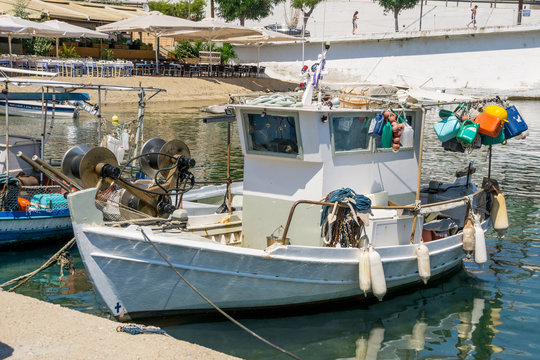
(23, 204)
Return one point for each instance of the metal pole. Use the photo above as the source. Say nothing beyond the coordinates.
(229, 166)
(99, 113)
(421, 147)
(157, 52)
(10, 55)
(7, 132)
(303, 40)
(44, 124)
(421, 10)
(57, 41)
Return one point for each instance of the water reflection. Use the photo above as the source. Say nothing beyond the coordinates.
(453, 319)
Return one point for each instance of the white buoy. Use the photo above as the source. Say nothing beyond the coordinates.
(364, 273)
(468, 237)
(422, 255)
(480, 253)
(499, 216)
(378, 281)
(417, 340)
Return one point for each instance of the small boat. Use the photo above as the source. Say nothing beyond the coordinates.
(35, 108)
(332, 211)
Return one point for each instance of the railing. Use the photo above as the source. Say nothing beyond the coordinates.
(420, 209)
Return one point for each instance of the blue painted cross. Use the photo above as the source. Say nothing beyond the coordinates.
(117, 307)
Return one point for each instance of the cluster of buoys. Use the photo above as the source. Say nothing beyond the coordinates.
(371, 273)
(392, 130)
(473, 127)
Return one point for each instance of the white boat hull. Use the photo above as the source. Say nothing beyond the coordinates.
(33, 109)
(134, 281)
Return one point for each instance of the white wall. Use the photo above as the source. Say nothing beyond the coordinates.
(503, 58)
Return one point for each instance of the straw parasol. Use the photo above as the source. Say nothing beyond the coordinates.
(73, 31)
(154, 22)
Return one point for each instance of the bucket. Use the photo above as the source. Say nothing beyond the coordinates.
(515, 125)
(351, 102)
(447, 129)
(497, 111)
(489, 125)
(499, 139)
(467, 132)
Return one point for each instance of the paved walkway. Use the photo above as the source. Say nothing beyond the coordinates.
(334, 17)
(33, 329)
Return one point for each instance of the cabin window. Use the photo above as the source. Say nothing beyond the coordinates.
(272, 133)
(350, 133)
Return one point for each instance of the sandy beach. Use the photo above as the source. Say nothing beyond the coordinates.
(34, 329)
(178, 88)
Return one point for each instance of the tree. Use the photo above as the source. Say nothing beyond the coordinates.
(180, 9)
(395, 6)
(245, 9)
(306, 6)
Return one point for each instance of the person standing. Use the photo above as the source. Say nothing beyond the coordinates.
(354, 18)
(473, 17)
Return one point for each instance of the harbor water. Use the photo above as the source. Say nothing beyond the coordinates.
(483, 312)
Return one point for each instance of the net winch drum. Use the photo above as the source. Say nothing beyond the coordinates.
(151, 162)
(71, 161)
(79, 163)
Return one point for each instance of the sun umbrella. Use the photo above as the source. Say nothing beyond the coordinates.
(214, 30)
(155, 22)
(12, 26)
(265, 36)
(73, 31)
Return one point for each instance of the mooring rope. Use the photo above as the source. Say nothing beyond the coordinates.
(136, 329)
(24, 278)
(221, 311)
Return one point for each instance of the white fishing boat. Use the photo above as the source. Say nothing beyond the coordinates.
(32, 206)
(281, 250)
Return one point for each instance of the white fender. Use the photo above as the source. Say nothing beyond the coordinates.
(499, 215)
(364, 273)
(468, 237)
(417, 340)
(378, 281)
(480, 253)
(422, 255)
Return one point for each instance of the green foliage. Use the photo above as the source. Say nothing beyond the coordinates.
(20, 9)
(68, 52)
(306, 6)
(43, 46)
(227, 53)
(107, 54)
(231, 10)
(395, 6)
(185, 49)
(179, 9)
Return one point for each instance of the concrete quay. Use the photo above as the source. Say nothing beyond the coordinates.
(33, 329)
